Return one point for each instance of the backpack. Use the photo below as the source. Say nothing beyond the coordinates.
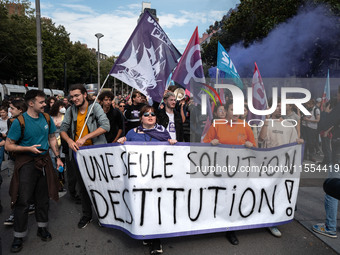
(314, 111)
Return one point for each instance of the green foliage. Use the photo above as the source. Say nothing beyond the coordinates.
(251, 21)
(81, 64)
(18, 51)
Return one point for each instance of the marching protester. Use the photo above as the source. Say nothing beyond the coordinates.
(66, 102)
(131, 112)
(3, 131)
(169, 118)
(16, 108)
(331, 122)
(311, 130)
(149, 131)
(33, 173)
(326, 135)
(275, 134)
(114, 115)
(83, 134)
(292, 115)
(49, 103)
(57, 113)
(225, 132)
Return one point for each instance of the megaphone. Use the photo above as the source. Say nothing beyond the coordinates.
(179, 93)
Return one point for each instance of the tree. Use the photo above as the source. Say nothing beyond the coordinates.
(56, 48)
(251, 21)
(81, 64)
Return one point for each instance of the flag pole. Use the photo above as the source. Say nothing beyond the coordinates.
(88, 114)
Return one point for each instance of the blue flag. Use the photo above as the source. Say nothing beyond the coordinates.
(225, 64)
(147, 59)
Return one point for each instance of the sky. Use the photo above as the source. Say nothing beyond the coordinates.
(116, 19)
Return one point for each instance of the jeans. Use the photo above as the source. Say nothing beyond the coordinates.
(331, 207)
(331, 204)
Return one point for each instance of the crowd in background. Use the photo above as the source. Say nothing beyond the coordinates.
(180, 119)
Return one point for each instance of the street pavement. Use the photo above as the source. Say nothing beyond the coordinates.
(297, 238)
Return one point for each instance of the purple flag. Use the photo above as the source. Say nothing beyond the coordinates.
(147, 59)
(190, 66)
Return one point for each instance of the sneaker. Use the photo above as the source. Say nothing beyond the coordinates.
(84, 221)
(9, 221)
(156, 247)
(322, 229)
(232, 238)
(17, 244)
(44, 234)
(31, 209)
(275, 231)
(147, 242)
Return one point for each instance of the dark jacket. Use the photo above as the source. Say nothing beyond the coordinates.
(163, 119)
(41, 161)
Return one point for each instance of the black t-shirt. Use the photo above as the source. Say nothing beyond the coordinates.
(116, 122)
(131, 114)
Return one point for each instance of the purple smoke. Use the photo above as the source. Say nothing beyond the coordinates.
(288, 49)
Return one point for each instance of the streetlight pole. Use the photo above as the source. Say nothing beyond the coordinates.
(98, 35)
(39, 47)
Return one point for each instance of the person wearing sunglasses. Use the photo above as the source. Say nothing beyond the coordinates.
(121, 106)
(149, 131)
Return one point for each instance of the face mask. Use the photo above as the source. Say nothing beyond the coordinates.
(62, 110)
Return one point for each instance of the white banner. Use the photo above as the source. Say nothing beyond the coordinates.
(154, 190)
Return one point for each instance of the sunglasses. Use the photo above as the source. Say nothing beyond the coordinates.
(147, 114)
(122, 106)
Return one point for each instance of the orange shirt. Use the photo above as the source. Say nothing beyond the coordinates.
(237, 134)
(80, 123)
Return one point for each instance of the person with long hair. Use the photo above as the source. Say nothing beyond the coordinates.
(57, 113)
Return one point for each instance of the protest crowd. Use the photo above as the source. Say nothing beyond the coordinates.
(39, 136)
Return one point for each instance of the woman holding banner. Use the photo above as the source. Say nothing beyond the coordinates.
(149, 131)
(230, 131)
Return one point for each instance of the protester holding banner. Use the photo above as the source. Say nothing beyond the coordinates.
(149, 131)
(82, 134)
(226, 132)
(274, 134)
(230, 131)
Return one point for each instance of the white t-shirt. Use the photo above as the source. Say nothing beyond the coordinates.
(171, 126)
(278, 135)
(315, 111)
(3, 126)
